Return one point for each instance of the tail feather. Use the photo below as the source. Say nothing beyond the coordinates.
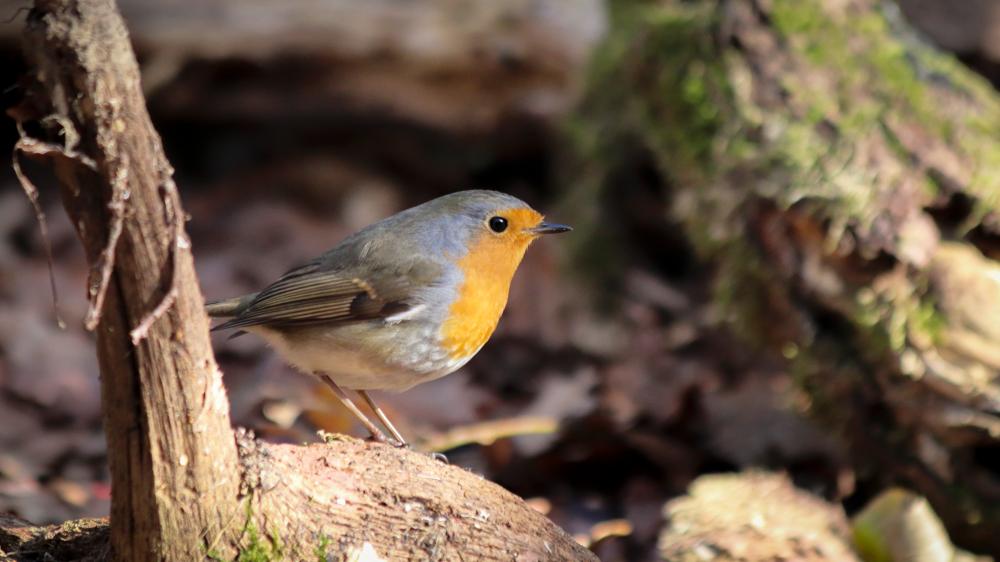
(229, 307)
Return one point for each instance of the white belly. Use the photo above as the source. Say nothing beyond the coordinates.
(354, 367)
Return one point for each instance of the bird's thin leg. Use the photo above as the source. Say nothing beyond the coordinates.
(383, 418)
(375, 431)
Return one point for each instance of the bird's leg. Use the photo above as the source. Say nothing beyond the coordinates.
(384, 419)
(346, 401)
(392, 429)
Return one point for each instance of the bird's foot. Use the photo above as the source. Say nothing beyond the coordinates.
(404, 445)
(379, 437)
(386, 440)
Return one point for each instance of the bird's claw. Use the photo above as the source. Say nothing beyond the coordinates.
(379, 438)
(384, 439)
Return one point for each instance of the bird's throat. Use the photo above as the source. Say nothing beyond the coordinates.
(487, 268)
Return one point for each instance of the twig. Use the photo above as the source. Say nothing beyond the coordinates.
(179, 241)
(17, 12)
(105, 263)
(486, 433)
(35, 147)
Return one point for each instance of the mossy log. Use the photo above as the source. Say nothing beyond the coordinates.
(839, 177)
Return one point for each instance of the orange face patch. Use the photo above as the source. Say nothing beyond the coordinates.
(488, 268)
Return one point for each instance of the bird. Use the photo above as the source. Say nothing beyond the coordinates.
(403, 301)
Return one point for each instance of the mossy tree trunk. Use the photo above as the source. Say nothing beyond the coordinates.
(841, 179)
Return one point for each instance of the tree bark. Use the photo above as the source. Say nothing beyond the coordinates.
(183, 487)
(838, 178)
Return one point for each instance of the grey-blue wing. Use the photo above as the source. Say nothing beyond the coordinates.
(317, 294)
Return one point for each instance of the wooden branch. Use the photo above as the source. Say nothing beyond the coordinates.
(182, 490)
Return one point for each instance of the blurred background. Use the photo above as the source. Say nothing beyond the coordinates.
(638, 354)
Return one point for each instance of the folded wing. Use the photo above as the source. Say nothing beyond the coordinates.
(314, 295)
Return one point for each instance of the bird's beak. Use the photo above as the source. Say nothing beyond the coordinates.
(549, 228)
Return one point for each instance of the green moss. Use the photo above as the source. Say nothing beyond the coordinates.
(864, 51)
(688, 100)
(902, 81)
(976, 131)
(927, 323)
(672, 105)
(322, 549)
(257, 548)
(798, 20)
(676, 83)
(870, 544)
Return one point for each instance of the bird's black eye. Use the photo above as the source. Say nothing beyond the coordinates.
(498, 224)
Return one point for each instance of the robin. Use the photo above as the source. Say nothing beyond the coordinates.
(404, 301)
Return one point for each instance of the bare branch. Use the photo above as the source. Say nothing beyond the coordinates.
(35, 147)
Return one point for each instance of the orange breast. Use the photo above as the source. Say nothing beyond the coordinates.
(488, 268)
